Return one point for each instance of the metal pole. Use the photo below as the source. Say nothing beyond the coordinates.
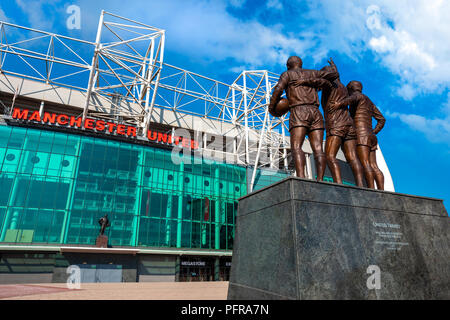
(93, 65)
(261, 135)
(244, 92)
(284, 148)
(152, 104)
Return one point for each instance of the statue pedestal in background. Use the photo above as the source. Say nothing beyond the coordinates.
(102, 241)
(301, 239)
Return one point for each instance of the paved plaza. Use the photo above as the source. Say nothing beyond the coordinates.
(117, 291)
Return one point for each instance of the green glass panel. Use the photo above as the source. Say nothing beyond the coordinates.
(150, 237)
(197, 209)
(43, 225)
(120, 231)
(12, 159)
(40, 161)
(2, 217)
(6, 182)
(187, 203)
(223, 237)
(37, 190)
(186, 233)
(2, 155)
(27, 220)
(230, 212)
(32, 140)
(5, 132)
(17, 138)
(72, 144)
(46, 141)
(230, 237)
(20, 191)
(27, 160)
(55, 165)
(205, 235)
(68, 164)
(59, 143)
(54, 235)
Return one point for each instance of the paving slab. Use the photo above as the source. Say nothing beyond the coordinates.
(118, 291)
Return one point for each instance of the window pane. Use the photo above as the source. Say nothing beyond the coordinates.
(45, 141)
(5, 132)
(17, 138)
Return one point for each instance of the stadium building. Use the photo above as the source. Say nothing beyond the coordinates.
(107, 127)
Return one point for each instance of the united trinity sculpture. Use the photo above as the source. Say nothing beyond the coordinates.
(349, 129)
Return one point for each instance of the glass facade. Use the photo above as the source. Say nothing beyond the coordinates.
(56, 186)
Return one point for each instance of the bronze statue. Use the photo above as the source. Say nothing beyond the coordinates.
(104, 222)
(339, 125)
(305, 118)
(362, 110)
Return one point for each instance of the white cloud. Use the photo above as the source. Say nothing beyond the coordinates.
(36, 15)
(204, 30)
(3, 16)
(410, 42)
(409, 37)
(381, 44)
(274, 4)
(435, 129)
(406, 91)
(237, 3)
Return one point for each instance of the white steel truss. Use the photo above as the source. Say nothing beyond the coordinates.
(127, 68)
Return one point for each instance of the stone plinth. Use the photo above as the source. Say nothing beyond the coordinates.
(102, 241)
(300, 239)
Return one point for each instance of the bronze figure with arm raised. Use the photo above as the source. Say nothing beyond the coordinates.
(339, 126)
(305, 117)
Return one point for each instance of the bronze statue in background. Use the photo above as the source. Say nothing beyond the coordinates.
(104, 223)
(338, 124)
(305, 117)
(362, 110)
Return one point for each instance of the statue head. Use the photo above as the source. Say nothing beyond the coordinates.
(293, 62)
(354, 86)
(329, 71)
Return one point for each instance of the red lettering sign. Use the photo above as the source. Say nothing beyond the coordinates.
(100, 125)
(152, 135)
(162, 137)
(62, 119)
(131, 131)
(186, 143)
(17, 114)
(35, 116)
(49, 117)
(89, 123)
(75, 121)
(111, 126)
(121, 129)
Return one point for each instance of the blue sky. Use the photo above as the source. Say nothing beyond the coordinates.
(399, 50)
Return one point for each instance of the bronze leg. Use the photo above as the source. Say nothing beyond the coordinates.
(379, 177)
(364, 155)
(350, 154)
(332, 146)
(297, 138)
(316, 141)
